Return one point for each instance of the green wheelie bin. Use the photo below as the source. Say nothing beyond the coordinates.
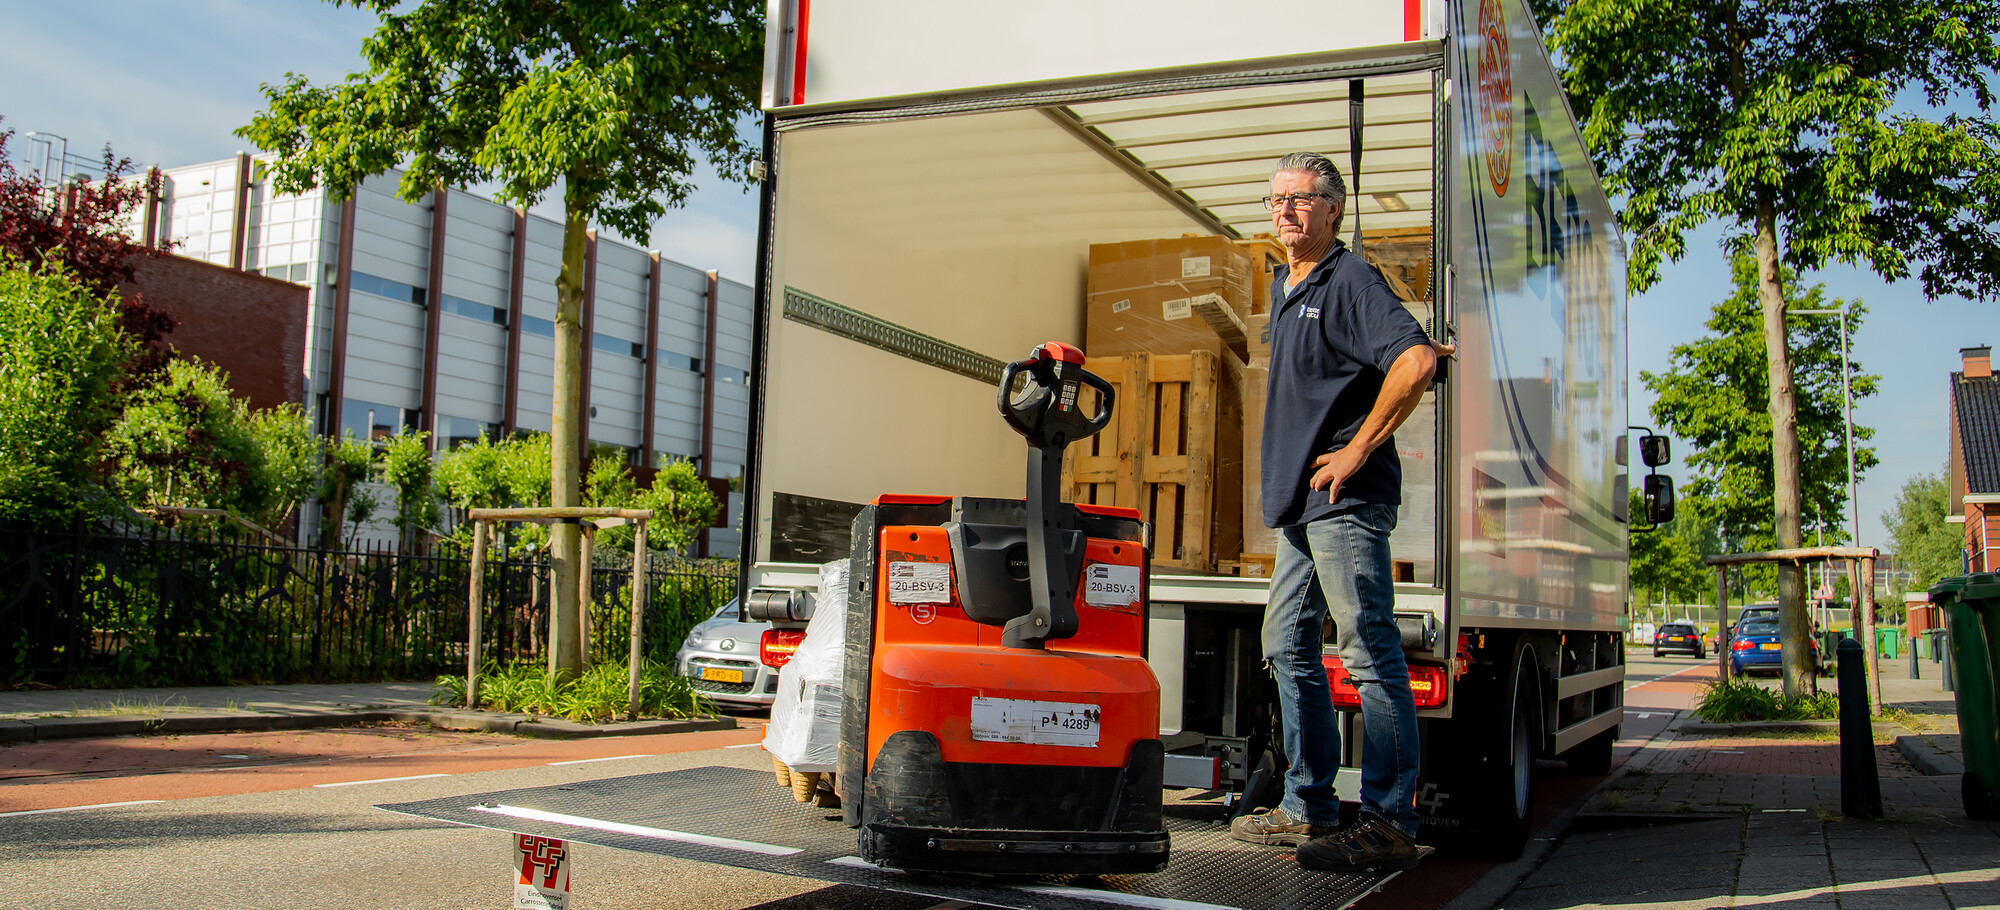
(1972, 614)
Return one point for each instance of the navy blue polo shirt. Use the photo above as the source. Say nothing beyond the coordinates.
(1333, 339)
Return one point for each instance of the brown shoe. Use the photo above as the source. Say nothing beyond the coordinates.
(1371, 844)
(1277, 828)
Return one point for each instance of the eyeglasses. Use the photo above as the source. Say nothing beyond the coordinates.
(1295, 200)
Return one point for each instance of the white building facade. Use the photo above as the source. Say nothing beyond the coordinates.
(439, 316)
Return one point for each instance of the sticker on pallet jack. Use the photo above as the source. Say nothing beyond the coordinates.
(1042, 723)
(919, 583)
(1107, 585)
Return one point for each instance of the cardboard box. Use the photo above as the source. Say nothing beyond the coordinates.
(1142, 294)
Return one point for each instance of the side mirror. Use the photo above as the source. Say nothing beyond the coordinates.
(1655, 451)
(1659, 499)
(1621, 503)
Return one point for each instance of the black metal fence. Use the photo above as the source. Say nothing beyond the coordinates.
(91, 608)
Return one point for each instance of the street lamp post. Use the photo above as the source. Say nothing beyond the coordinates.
(1847, 401)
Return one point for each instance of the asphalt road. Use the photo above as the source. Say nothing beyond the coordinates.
(287, 820)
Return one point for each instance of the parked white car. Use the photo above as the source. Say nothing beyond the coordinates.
(729, 662)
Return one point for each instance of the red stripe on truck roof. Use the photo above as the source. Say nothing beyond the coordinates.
(799, 57)
(1413, 21)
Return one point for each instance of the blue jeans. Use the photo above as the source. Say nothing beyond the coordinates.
(1338, 566)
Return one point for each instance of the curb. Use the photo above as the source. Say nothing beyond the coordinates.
(24, 730)
(1928, 758)
(1761, 726)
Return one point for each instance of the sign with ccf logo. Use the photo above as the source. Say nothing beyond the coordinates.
(542, 864)
(1496, 95)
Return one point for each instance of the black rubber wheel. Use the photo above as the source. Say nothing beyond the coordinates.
(1592, 757)
(1514, 807)
(1656, 654)
(1980, 804)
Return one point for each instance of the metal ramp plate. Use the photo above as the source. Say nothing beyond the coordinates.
(739, 817)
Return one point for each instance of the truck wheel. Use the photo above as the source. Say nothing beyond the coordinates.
(1480, 793)
(1592, 757)
(1513, 808)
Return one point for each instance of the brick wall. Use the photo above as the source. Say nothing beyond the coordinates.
(251, 326)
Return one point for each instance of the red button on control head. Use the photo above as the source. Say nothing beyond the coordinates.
(1056, 350)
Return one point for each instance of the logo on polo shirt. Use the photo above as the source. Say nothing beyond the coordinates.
(1310, 312)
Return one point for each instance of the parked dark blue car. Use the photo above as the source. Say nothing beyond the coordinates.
(1757, 648)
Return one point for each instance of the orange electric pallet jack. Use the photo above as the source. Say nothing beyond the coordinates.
(1000, 716)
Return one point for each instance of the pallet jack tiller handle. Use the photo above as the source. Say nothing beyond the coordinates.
(1048, 416)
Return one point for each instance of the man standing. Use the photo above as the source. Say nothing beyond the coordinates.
(1348, 365)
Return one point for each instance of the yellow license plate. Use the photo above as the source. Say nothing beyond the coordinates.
(721, 674)
(1678, 638)
(1770, 646)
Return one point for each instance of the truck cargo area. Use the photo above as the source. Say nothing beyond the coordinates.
(676, 814)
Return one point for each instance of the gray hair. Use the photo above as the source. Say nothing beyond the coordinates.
(1326, 179)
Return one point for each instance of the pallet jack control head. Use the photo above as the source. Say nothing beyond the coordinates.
(1047, 412)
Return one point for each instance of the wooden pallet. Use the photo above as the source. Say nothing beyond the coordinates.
(1159, 454)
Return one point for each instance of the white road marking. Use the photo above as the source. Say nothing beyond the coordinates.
(1088, 894)
(599, 824)
(1727, 751)
(586, 761)
(379, 780)
(135, 802)
(1642, 715)
(1128, 900)
(755, 745)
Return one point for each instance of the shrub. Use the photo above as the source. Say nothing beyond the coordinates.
(1728, 701)
(596, 696)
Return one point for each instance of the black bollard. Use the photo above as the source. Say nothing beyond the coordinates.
(1916, 672)
(1860, 782)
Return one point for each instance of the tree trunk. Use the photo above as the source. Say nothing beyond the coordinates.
(565, 418)
(1793, 622)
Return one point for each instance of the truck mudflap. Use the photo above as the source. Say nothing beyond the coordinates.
(733, 816)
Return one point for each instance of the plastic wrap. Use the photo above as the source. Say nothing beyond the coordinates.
(804, 732)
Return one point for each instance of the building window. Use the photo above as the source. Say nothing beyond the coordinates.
(459, 306)
(536, 325)
(681, 361)
(617, 345)
(732, 375)
(662, 457)
(457, 431)
(625, 455)
(368, 420)
(383, 287)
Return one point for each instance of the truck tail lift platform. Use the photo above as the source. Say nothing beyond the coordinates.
(754, 825)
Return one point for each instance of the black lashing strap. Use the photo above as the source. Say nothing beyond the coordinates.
(1355, 96)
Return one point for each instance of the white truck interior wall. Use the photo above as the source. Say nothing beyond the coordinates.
(993, 212)
(946, 47)
(1541, 382)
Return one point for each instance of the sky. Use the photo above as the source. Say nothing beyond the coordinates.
(168, 83)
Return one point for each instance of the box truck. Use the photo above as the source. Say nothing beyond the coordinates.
(947, 186)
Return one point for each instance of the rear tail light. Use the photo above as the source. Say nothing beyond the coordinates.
(1742, 644)
(1427, 684)
(776, 646)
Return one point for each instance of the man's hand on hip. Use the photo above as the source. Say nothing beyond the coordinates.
(1332, 469)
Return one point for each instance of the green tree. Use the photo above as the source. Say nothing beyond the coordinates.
(1711, 395)
(60, 351)
(1930, 547)
(682, 505)
(1777, 118)
(185, 442)
(610, 100)
(348, 463)
(1666, 562)
(408, 469)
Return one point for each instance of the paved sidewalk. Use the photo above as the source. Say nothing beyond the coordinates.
(28, 716)
(1705, 818)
